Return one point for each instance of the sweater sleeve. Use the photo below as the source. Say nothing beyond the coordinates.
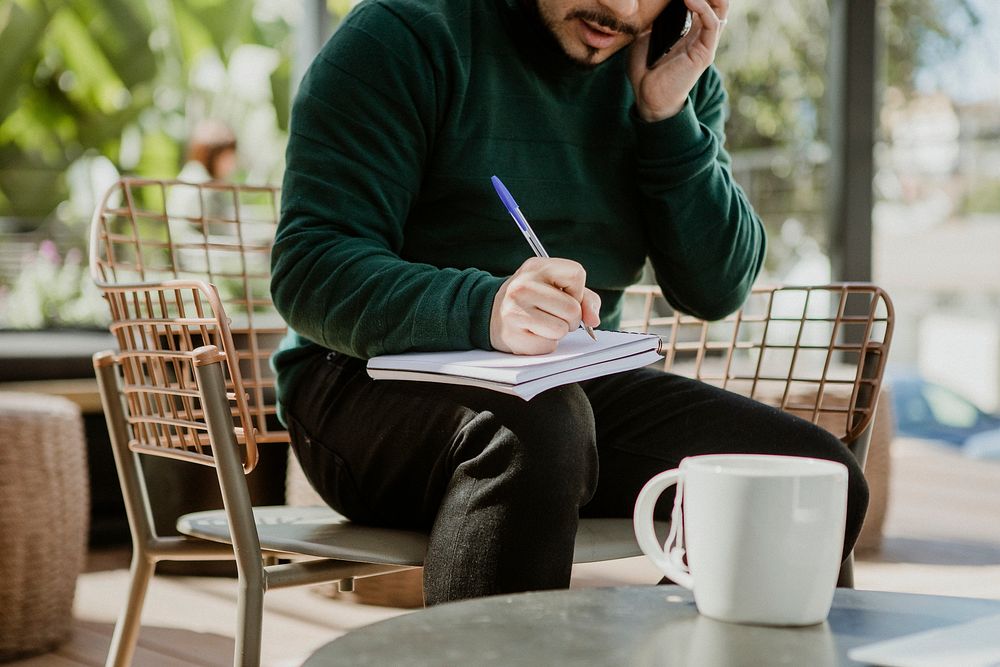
(706, 242)
(362, 124)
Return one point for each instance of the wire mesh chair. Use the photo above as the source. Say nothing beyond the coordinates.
(818, 352)
(182, 266)
(184, 269)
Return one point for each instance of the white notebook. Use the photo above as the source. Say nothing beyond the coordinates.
(576, 358)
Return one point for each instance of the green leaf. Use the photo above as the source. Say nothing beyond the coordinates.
(281, 92)
(22, 24)
(89, 79)
(120, 29)
(160, 156)
(229, 22)
(32, 187)
(192, 35)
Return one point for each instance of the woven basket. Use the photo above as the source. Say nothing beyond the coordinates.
(43, 520)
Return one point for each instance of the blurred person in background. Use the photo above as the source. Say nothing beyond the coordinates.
(211, 153)
(211, 158)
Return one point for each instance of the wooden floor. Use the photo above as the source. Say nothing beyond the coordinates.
(942, 537)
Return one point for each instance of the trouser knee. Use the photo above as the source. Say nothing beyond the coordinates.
(857, 500)
(857, 489)
(549, 447)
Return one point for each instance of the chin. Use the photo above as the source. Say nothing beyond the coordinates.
(589, 60)
(587, 56)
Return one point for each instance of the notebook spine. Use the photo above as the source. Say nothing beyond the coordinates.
(659, 340)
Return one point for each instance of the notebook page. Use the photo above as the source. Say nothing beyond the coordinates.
(576, 349)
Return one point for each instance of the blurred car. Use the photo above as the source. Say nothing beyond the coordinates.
(930, 411)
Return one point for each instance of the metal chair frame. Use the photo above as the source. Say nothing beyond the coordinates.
(179, 382)
(189, 382)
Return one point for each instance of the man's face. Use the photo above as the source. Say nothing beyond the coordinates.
(591, 31)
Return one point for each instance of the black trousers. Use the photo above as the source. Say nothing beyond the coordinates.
(499, 483)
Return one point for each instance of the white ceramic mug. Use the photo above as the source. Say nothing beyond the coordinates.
(762, 535)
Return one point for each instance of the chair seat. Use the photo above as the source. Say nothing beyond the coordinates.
(322, 532)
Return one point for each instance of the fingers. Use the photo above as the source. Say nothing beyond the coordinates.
(542, 302)
(544, 296)
(564, 274)
(662, 91)
(591, 308)
(637, 57)
(708, 15)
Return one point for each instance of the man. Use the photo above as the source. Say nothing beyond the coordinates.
(392, 239)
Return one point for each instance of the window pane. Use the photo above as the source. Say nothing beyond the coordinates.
(773, 61)
(937, 188)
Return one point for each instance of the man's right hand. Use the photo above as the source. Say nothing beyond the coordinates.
(544, 300)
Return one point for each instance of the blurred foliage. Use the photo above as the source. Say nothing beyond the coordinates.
(774, 59)
(98, 88)
(95, 88)
(52, 291)
(983, 198)
(126, 79)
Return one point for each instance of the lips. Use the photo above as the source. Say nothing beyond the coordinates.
(596, 36)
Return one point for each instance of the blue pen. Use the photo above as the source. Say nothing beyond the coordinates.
(522, 224)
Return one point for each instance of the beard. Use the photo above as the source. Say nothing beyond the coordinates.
(551, 23)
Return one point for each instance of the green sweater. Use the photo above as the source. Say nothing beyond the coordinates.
(391, 235)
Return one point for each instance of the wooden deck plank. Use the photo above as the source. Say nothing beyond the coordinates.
(296, 621)
(90, 644)
(941, 494)
(189, 647)
(49, 660)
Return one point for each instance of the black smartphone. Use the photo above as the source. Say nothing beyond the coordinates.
(672, 24)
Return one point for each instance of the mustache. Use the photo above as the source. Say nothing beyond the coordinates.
(604, 20)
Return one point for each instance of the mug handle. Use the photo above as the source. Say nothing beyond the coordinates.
(669, 557)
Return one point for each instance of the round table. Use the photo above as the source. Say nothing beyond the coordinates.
(639, 625)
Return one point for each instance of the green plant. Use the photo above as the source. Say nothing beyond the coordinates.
(52, 291)
(126, 79)
(98, 88)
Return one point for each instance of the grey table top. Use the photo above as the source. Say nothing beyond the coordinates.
(639, 625)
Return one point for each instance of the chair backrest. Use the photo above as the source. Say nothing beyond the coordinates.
(818, 352)
(183, 266)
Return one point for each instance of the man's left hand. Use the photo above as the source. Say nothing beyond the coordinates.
(662, 91)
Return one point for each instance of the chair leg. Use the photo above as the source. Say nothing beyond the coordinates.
(846, 579)
(129, 621)
(250, 618)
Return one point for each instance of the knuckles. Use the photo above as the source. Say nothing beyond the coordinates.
(547, 268)
(517, 289)
(533, 265)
